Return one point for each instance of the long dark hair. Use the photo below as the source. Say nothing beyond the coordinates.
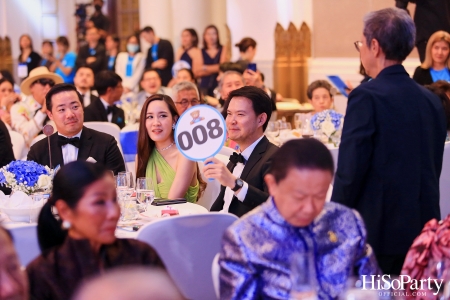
(194, 36)
(29, 38)
(205, 45)
(146, 144)
(69, 185)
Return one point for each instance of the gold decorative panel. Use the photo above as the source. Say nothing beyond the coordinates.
(6, 61)
(292, 50)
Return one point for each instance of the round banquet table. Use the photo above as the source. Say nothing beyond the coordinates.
(153, 213)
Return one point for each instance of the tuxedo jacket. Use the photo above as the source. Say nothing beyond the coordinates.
(100, 146)
(96, 112)
(390, 158)
(254, 171)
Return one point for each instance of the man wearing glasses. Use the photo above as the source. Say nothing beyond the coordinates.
(390, 156)
(29, 116)
(185, 95)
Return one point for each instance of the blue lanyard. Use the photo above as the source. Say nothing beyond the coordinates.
(155, 52)
(92, 51)
(111, 62)
(129, 70)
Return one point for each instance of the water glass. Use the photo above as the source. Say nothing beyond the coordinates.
(298, 120)
(129, 178)
(144, 190)
(306, 129)
(303, 277)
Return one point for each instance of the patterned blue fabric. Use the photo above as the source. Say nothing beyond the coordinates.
(256, 250)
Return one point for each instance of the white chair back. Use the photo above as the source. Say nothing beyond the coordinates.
(444, 183)
(18, 143)
(106, 127)
(212, 187)
(187, 246)
(227, 151)
(215, 272)
(37, 139)
(25, 242)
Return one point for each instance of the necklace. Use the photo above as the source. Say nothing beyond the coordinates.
(165, 148)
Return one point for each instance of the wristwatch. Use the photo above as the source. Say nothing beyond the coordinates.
(238, 183)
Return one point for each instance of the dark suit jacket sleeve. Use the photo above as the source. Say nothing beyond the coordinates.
(254, 195)
(114, 159)
(100, 56)
(422, 76)
(32, 155)
(356, 148)
(89, 114)
(149, 59)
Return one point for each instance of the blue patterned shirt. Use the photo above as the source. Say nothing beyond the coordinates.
(256, 250)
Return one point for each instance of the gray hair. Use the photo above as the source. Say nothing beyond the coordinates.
(183, 86)
(394, 30)
(227, 73)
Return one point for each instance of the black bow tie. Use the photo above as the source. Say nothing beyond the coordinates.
(237, 158)
(62, 141)
(110, 109)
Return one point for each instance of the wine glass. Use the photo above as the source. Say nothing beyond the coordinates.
(272, 130)
(306, 129)
(298, 120)
(144, 191)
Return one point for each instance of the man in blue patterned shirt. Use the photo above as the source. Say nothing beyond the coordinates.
(257, 250)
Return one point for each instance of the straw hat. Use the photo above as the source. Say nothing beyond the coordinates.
(38, 73)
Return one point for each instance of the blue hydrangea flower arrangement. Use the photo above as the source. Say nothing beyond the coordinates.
(332, 115)
(26, 176)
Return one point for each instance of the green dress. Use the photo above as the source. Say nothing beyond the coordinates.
(167, 174)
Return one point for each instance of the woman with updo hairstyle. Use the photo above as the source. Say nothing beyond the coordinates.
(189, 52)
(80, 241)
(247, 51)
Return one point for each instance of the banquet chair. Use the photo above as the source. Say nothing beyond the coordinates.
(444, 182)
(37, 139)
(106, 127)
(212, 187)
(215, 272)
(187, 246)
(227, 151)
(26, 242)
(18, 143)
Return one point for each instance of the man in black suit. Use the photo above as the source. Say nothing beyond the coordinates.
(159, 56)
(430, 16)
(392, 144)
(73, 141)
(109, 88)
(84, 82)
(243, 187)
(92, 55)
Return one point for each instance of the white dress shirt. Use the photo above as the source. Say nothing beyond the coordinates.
(69, 151)
(237, 171)
(106, 105)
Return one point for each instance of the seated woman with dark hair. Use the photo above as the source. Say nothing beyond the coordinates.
(13, 280)
(81, 242)
(158, 157)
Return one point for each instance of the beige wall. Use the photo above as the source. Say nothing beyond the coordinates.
(338, 24)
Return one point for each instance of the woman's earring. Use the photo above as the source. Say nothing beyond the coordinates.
(66, 225)
(173, 126)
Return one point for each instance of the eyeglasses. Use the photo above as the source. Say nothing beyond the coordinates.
(358, 45)
(186, 102)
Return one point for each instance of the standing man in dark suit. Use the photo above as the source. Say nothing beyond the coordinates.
(92, 55)
(392, 144)
(243, 187)
(159, 56)
(73, 141)
(109, 88)
(430, 16)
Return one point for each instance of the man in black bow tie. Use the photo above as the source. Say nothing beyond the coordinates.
(242, 180)
(73, 141)
(109, 87)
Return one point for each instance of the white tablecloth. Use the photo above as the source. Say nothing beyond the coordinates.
(154, 213)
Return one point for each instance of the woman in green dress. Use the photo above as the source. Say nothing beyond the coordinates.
(158, 157)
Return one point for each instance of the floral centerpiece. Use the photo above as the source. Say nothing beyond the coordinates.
(26, 176)
(330, 123)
